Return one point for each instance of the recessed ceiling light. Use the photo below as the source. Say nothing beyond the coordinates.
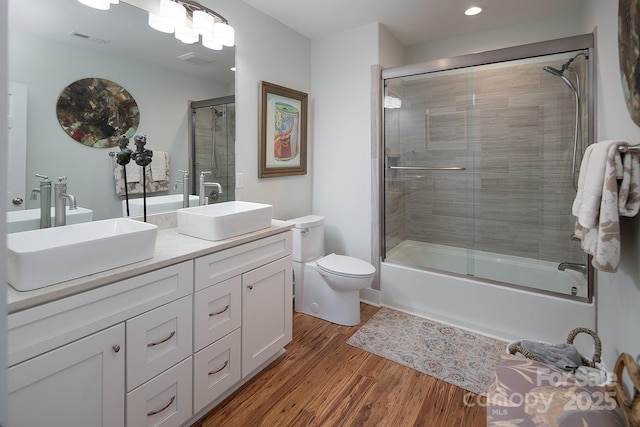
(473, 10)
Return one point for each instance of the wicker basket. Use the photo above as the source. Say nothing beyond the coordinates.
(516, 348)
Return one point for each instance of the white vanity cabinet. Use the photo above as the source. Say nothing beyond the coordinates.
(157, 349)
(67, 358)
(242, 313)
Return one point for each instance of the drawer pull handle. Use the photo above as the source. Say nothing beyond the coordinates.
(153, 344)
(220, 312)
(115, 348)
(152, 413)
(218, 370)
(250, 287)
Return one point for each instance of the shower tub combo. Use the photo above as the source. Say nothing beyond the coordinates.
(479, 160)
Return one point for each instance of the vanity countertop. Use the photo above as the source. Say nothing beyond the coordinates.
(171, 248)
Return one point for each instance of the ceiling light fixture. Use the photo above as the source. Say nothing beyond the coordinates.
(391, 102)
(99, 4)
(189, 20)
(473, 10)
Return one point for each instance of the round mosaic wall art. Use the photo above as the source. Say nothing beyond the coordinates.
(629, 54)
(96, 112)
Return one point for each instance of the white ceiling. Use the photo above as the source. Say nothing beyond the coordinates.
(124, 26)
(411, 22)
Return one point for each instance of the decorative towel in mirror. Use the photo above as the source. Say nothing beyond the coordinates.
(157, 175)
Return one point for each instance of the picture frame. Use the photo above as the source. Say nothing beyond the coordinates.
(282, 145)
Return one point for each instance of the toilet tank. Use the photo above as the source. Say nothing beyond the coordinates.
(308, 237)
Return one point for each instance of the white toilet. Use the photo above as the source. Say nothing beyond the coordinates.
(328, 286)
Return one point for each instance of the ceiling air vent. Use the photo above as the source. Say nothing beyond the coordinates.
(89, 38)
(194, 58)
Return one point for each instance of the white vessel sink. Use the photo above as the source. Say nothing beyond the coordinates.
(156, 204)
(44, 257)
(223, 220)
(29, 219)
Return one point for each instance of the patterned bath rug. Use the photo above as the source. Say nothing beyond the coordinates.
(459, 357)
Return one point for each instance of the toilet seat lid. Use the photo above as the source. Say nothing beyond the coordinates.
(345, 266)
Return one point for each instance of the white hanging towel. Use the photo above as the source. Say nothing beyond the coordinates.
(597, 205)
(159, 165)
(134, 172)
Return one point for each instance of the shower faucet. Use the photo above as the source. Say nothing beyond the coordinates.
(581, 268)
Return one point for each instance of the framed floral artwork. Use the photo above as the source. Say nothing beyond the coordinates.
(282, 142)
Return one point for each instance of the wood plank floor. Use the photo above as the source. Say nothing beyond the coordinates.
(323, 381)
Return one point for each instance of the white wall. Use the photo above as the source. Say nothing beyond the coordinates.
(514, 35)
(391, 52)
(340, 65)
(162, 96)
(3, 188)
(268, 51)
(618, 293)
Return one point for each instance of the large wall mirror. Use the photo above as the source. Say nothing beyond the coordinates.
(53, 43)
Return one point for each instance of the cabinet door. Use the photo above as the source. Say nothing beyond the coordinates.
(216, 312)
(266, 312)
(80, 384)
(157, 340)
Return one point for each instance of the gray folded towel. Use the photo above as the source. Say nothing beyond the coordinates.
(562, 356)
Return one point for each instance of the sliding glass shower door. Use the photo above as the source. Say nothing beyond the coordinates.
(479, 171)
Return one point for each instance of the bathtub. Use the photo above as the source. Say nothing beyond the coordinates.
(534, 309)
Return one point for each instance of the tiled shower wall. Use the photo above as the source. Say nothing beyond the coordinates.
(224, 128)
(511, 126)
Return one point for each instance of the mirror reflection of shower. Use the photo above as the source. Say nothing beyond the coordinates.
(575, 88)
(216, 114)
(212, 146)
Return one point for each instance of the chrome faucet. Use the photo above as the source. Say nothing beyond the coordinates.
(185, 188)
(581, 268)
(62, 197)
(204, 185)
(45, 200)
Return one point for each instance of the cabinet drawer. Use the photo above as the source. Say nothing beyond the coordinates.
(216, 312)
(216, 369)
(158, 340)
(43, 328)
(166, 400)
(219, 266)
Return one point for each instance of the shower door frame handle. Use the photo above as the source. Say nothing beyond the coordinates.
(422, 168)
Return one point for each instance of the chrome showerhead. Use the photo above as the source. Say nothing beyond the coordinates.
(564, 67)
(552, 70)
(217, 113)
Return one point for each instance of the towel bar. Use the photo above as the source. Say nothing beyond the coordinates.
(420, 168)
(626, 148)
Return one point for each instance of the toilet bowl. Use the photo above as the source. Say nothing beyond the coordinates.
(326, 286)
